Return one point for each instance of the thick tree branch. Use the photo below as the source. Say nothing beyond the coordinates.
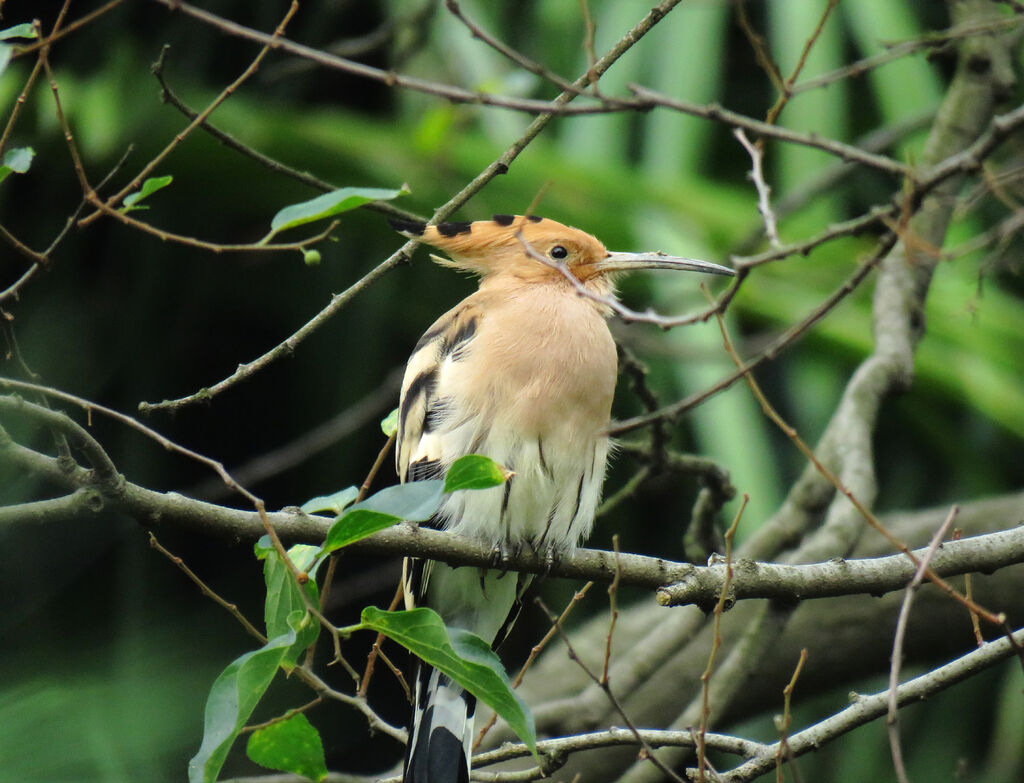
(874, 576)
(91, 492)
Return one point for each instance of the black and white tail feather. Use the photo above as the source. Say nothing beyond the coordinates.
(441, 734)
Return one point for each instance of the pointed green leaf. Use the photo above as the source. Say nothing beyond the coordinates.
(24, 30)
(415, 502)
(233, 697)
(390, 423)
(16, 160)
(285, 608)
(474, 472)
(335, 503)
(356, 526)
(461, 655)
(149, 187)
(291, 745)
(329, 204)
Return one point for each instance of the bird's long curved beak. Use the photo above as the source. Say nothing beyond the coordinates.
(626, 262)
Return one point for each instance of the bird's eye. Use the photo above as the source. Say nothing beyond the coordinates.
(558, 252)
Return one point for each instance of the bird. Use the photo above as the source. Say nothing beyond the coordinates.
(522, 371)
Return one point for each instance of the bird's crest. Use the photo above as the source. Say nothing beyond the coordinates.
(507, 243)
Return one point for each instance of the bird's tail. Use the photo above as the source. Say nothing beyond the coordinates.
(441, 731)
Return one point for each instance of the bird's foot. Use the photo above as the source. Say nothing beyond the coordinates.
(503, 553)
(548, 552)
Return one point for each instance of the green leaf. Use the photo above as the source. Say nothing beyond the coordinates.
(390, 423)
(16, 160)
(149, 187)
(414, 502)
(24, 30)
(329, 204)
(335, 503)
(285, 609)
(291, 745)
(356, 526)
(461, 655)
(475, 472)
(233, 697)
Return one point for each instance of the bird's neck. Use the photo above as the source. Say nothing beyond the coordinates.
(550, 284)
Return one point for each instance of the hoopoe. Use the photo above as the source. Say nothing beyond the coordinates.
(522, 371)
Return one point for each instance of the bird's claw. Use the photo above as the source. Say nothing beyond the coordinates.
(548, 552)
(503, 553)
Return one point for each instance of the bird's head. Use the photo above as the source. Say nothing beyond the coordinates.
(532, 248)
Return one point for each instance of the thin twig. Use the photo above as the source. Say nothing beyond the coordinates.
(897, 51)
(896, 660)
(226, 93)
(786, 720)
(496, 168)
(613, 611)
(207, 591)
(867, 708)
(786, 92)
(534, 652)
(716, 643)
(332, 565)
(508, 52)
(449, 92)
(841, 150)
(647, 752)
(59, 32)
(760, 46)
(276, 166)
(764, 204)
(975, 623)
(832, 478)
(29, 83)
(282, 718)
(670, 412)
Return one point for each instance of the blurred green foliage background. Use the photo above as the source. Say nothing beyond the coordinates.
(108, 651)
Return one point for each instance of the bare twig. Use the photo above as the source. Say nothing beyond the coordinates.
(168, 95)
(496, 168)
(846, 152)
(675, 409)
(897, 51)
(785, 721)
(834, 480)
(647, 752)
(764, 204)
(716, 643)
(534, 652)
(288, 714)
(787, 87)
(892, 719)
(59, 32)
(207, 591)
(867, 708)
(508, 52)
(226, 93)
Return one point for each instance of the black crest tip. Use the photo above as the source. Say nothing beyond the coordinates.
(534, 218)
(453, 228)
(407, 227)
(504, 220)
